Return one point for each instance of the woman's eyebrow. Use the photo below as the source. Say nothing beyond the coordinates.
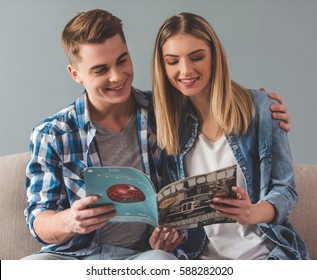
(193, 52)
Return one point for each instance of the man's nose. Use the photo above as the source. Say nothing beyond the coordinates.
(114, 75)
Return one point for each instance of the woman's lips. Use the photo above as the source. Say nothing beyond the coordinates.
(188, 81)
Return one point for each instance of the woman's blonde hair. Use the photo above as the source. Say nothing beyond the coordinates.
(231, 105)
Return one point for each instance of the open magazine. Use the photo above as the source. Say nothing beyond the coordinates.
(183, 204)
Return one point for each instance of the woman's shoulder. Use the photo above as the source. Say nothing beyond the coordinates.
(262, 102)
(263, 113)
(261, 97)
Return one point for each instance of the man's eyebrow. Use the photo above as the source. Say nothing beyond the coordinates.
(91, 69)
(122, 55)
(193, 52)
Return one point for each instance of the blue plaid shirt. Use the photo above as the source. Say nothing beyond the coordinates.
(62, 146)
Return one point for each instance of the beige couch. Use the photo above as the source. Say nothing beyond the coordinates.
(16, 241)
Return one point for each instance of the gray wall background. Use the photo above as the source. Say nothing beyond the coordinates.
(270, 43)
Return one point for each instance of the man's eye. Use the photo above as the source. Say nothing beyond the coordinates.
(100, 71)
(122, 61)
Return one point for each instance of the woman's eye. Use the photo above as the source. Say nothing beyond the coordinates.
(172, 62)
(197, 58)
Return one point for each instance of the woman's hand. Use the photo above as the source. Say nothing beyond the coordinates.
(242, 210)
(165, 238)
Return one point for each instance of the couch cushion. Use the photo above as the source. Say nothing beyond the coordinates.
(16, 240)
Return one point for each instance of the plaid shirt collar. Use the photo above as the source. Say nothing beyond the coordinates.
(82, 109)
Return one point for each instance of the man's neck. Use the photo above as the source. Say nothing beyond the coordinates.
(114, 117)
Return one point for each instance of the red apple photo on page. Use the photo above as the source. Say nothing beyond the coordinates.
(124, 193)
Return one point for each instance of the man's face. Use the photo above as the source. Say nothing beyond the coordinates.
(106, 71)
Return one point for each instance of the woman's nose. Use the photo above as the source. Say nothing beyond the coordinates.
(186, 68)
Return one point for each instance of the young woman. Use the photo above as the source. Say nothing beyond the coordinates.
(206, 121)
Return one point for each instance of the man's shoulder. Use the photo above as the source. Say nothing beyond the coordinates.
(143, 97)
(60, 122)
(145, 93)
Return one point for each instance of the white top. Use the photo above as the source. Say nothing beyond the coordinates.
(228, 240)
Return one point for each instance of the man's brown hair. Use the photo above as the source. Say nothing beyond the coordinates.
(93, 26)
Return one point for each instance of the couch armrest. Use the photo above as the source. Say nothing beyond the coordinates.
(16, 240)
(303, 216)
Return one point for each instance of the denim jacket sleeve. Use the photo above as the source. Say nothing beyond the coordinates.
(277, 177)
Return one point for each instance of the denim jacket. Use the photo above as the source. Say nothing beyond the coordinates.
(264, 156)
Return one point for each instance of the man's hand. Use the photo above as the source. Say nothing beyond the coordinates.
(280, 111)
(165, 238)
(83, 220)
(59, 226)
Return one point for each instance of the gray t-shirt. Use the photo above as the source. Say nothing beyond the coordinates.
(122, 149)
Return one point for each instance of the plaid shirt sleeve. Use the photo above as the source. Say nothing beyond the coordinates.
(44, 180)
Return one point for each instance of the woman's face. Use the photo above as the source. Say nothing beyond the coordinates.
(187, 63)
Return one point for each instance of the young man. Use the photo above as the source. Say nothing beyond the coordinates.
(111, 123)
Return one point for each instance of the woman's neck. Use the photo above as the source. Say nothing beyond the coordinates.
(208, 124)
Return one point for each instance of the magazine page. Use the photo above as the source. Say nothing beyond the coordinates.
(128, 189)
(185, 203)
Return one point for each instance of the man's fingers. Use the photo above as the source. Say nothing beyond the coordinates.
(278, 108)
(285, 126)
(83, 203)
(280, 116)
(277, 97)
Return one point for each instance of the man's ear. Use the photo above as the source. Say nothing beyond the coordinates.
(74, 74)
